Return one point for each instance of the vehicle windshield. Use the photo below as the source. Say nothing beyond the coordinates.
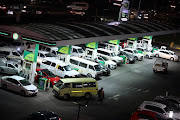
(59, 84)
(80, 50)
(146, 50)
(167, 109)
(49, 55)
(113, 54)
(97, 67)
(105, 58)
(25, 82)
(67, 68)
(135, 51)
(15, 64)
(49, 73)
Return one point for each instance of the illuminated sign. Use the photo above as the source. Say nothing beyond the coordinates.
(28, 56)
(93, 45)
(65, 49)
(116, 42)
(15, 36)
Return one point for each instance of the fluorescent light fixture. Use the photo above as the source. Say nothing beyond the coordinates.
(37, 41)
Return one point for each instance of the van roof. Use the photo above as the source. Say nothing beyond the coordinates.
(76, 47)
(105, 50)
(7, 48)
(55, 60)
(39, 51)
(86, 79)
(84, 60)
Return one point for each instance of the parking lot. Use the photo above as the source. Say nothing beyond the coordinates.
(125, 89)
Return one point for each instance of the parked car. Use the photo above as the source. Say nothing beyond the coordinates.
(11, 53)
(166, 54)
(8, 66)
(130, 58)
(145, 52)
(47, 74)
(158, 108)
(105, 70)
(147, 115)
(170, 103)
(43, 115)
(18, 84)
(160, 65)
(134, 53)
(107, 62)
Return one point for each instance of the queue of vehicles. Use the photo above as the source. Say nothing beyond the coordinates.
(78, 66)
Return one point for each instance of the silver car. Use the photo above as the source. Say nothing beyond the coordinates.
(18, 84)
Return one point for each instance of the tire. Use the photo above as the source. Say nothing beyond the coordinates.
(154, 71)
(157, 55)
(22, 93)
(147, 56)
(4, 86)
(135, 57)
(172, 59)
(88, 95)
(66, 97)
(89, 75)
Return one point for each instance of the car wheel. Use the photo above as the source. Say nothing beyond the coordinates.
(22, 93)
(154, 71)
(89, 75)
(147, 56)
(157, 55)
(172, 59)
(135, 57)
(4, 86)
(66, 97)
(88, 95)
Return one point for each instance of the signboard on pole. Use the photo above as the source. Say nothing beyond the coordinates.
(148, 37)
(116, 42)
(28, 56)
(133, 39)
(65, 49)
(93, 45)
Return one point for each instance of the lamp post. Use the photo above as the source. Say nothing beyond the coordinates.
(85, 105)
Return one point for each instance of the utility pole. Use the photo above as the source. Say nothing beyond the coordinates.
(139, 5)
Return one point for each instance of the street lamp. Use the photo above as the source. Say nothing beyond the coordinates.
(85, 105)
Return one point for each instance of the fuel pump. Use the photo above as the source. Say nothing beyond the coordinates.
(91, 50)
(29, 64)
(90, 53)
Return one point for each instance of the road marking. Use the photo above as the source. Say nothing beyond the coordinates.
(115, 97)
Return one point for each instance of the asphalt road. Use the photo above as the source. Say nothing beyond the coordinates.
(125, 89)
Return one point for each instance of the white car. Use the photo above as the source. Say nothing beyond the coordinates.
(158, 108)
(145, 52)
(134, 53)
(166, 54)
(18, 84)
(109, 63)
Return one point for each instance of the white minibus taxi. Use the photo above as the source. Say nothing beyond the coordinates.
(86, 67)
(58, 67)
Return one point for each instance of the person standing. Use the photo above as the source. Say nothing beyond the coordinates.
(100, 95)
